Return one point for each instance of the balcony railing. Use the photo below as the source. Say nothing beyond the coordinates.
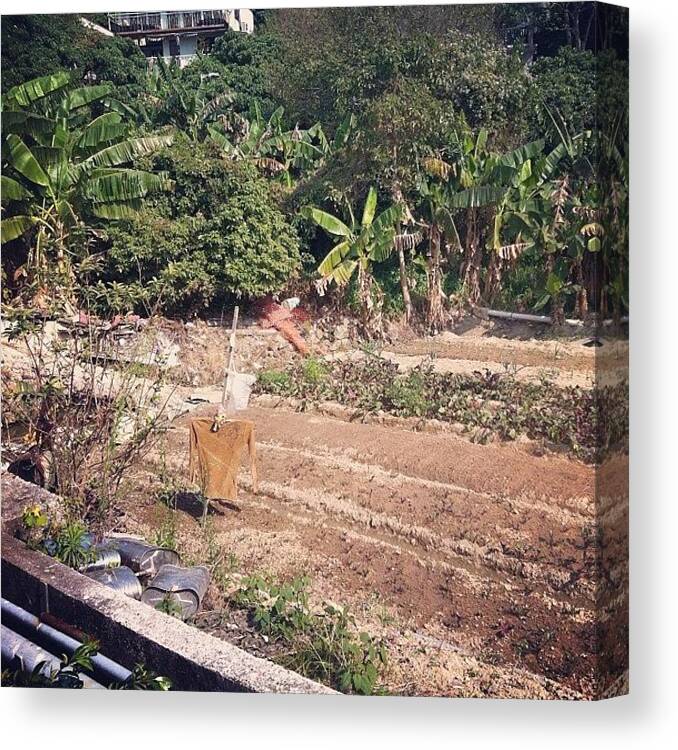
(131, 23)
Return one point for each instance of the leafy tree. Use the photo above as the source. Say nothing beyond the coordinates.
(38, 45)
(243, 61)
(336, 61)
(58, 38)
(587, 89)
(483, 80)
(219, 234)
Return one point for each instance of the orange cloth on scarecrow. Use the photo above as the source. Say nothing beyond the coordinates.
(214, 457)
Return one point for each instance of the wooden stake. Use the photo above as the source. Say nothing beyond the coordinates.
(231, 358)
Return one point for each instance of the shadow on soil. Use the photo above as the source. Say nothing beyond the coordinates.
(192, 504)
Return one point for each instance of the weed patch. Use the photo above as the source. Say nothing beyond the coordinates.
(323, 645)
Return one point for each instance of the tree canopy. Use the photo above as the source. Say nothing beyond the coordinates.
(497, 135)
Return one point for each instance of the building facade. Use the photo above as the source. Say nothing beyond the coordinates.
(179, 34)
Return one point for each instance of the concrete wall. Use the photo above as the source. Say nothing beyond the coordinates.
(246, 20)
(130, 632)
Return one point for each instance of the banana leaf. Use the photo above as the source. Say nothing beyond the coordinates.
(26, 123)
(552, 161)
(128, 150)
(12, 190)
(328, 222)
(385, 221)
(343, 132)
(477, 197)
(370, 207)
(125, 185)
(516, 157)
(31, 91)
(14, 227)
(23, 160)
(383, 247)
(437, 167)
(84, 95)
(337, 265)
(106, 127)
(121, 210)
(481, 142)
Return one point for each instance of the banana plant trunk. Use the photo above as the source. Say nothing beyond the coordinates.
(397, 197)
(582, 295)
(493, 278)
(405, 285)
(557, 303)
(370, 303)
(473, 256)
(435, 316)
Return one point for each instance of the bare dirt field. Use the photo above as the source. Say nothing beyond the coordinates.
(481, 565)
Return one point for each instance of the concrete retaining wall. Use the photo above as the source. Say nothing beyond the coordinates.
(131, 632)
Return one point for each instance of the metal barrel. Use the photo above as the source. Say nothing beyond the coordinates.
(144, 559)
(104, 557)
(121, 579)
(182, 587)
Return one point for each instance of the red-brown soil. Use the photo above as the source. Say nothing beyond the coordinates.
(481, 564)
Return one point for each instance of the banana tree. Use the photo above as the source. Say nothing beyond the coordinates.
(555, 208)
(576, 204)
(486, 181)
(522, 219)
(475, 185)
(360, 245)
(342, 135)
(190, 108)
(62, 167)
(275, 151)
(437, 223)
(405, 242)
(613, 215)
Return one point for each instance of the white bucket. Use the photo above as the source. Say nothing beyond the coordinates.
(240, 388)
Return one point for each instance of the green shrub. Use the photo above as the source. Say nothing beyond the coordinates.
(273, 381)
(166, 534)
(73, 545)
(219, 235)
(407, 395)
(314, 370)
(68, 673)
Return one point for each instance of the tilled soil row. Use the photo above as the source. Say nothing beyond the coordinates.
(562, 355)
(487, 549)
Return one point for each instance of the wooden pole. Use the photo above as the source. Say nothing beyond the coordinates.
(231, 358)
